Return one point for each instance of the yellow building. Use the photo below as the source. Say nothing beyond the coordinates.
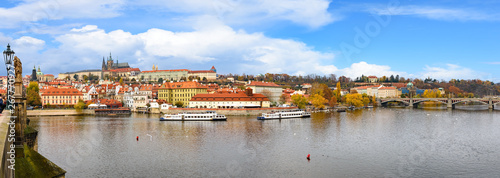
(173, 92)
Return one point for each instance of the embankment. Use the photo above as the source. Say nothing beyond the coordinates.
(59, 112)
(228, 112)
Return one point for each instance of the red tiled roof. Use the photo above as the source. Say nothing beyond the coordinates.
(212, 67)
(176, 70)
(48, 75)
(387, 88)
(365, 87)
(229, 97)
(263, 84)
(201, 71)
(61, 91)
(372, 76)
(124, 70)
(146, 88)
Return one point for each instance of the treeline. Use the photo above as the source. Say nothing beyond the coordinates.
(457, 87)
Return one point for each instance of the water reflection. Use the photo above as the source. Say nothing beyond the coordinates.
(379, 142)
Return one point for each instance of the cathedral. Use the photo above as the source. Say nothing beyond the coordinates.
(110, 65)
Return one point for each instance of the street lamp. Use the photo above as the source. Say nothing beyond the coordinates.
(8, 56)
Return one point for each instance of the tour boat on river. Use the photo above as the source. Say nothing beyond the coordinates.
(194, 116)
(284, 115)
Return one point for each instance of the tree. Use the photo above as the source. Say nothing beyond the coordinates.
(283, 99)
(75, 77)
(266, 93)
(160, 80)
(205, 79)
(121, 81)
(80, 105)
(337, 91)
(179, 104)
(133, 80)
(33, 96)
(299, 100)
(318, 101)
(354, 99)
(333, 101)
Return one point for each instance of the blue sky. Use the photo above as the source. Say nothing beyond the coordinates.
(417, 39)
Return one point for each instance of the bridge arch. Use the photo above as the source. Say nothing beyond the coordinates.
(427, 99)
(471, 100)
(384, 102)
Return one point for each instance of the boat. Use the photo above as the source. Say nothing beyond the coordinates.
(113, 112)
(284, 115)
(194, 116)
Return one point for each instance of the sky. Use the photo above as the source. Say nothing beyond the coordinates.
(441, 39)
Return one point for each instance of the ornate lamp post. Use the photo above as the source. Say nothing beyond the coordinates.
(8, 57)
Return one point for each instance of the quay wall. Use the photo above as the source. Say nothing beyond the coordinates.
(228, 112)
(59, 112)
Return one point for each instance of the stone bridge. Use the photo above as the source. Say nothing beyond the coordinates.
(450, 102)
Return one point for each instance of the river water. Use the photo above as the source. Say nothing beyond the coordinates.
(380, 142)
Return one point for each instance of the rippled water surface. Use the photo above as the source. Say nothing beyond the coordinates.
(381, 142)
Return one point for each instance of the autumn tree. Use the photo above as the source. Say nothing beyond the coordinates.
(354, 99)
(333, 101)
(299, 100)
(337, 91)
(318, 101)
(80, 105)
(33, 97)
(366, 99)
(121, 81)
(283, 98)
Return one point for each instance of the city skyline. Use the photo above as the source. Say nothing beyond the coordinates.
(436, 39)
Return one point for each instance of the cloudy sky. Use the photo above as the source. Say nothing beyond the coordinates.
(429, 38)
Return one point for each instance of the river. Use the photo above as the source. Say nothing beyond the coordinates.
(380, 142)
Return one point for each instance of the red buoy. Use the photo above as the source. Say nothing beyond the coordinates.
(308, 156)
(137, 138)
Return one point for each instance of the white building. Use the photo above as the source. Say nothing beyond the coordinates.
(269, 89)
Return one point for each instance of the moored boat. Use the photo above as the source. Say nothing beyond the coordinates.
(194, 116)
(284, 115)
(113, 112)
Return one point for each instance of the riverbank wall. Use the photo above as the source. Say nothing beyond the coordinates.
(228, 112)
(59, 112)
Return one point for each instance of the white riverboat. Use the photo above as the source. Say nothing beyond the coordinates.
(194, 116)
(284, 115)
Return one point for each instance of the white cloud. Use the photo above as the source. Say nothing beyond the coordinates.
(29, 13)
(220, 45)
(437, 13)
(451, 71)
(310, 13)
(363, 68)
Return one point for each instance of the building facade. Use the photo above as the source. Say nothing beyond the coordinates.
(269, 89)
(170, 75)
(61, 96)
(173, 92)
(245, 99)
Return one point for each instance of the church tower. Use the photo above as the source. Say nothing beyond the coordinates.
(110, 62)
(33, 74)
(104, 65)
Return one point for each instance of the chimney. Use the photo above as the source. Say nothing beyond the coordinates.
(249, 92)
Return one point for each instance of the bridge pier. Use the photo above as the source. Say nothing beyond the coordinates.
(450, 104)
(490, 104)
